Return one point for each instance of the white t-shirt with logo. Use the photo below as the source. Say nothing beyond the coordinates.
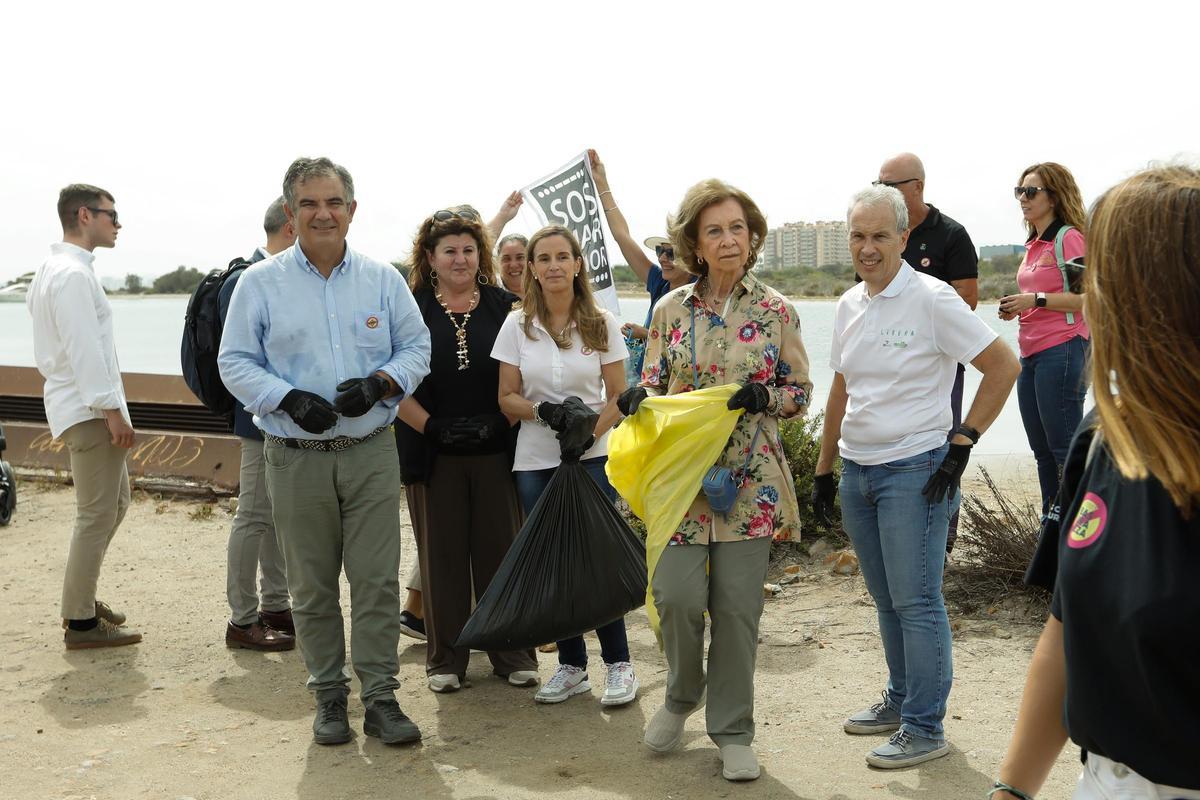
(550, 374)
(898, 352)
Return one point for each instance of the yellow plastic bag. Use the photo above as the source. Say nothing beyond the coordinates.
(657, 459)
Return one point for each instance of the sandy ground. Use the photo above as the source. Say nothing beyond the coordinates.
(181, 716)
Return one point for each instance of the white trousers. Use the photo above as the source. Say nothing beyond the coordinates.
(1105, 779)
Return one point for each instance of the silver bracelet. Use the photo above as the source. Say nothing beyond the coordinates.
(537, 417)
(606, 210)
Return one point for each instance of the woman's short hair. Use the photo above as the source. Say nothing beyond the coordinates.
(433, 230)
(683, 227)
(511, 238)
(1142, 292)
(1064, 193)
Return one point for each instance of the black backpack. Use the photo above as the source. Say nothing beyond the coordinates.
(202, 340)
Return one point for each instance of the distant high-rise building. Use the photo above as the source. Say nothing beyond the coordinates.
(806, 244)
(993, 250)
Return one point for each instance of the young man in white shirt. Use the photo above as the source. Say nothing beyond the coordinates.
(85, 404)
(897, 340)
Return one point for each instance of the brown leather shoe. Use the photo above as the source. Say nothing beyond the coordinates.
(258, 637)
(279, 620)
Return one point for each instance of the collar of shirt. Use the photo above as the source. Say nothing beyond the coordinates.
(931, 220)
(894, 287)
(1048, 235)
(302, 260)
(73, 250)
(746, 284)
(537, 323)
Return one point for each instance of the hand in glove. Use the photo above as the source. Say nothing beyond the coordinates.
(310, 411)
(753, 397)
(823, 493)
(579, 425)
(478, 430)
(440, 430)
(551, 414)
(947, 476)
(358, 395)
(630, 399)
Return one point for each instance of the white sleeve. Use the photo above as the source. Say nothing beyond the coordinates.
(507, 348)
(957, 330)
(616, 341)
(835, 340)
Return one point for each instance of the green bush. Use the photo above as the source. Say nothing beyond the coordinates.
(801, 437)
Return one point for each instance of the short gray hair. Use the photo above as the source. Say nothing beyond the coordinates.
(275, 218)
(879, 195)
(303, 169)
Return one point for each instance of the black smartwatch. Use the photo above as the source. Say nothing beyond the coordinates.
(969, 432)
(1039, 299)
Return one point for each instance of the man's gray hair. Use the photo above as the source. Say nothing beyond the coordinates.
(275, 218)
(881, 195)
(302, 169)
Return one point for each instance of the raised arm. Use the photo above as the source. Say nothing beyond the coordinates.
(506, 214)
(637, 259)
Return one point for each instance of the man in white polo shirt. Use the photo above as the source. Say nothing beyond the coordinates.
(897, 339)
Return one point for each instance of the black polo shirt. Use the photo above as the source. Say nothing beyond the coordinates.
(940, 247)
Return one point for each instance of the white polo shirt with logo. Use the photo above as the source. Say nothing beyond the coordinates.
(898, 352)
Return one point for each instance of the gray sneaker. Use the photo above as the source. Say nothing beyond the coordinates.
(879, 718)
(105, 634)
(906, 750)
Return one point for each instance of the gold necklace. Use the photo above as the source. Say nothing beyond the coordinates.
(460, 331)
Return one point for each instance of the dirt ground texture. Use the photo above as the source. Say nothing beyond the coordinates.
(181, 716)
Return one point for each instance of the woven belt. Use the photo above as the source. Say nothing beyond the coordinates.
(324, 445)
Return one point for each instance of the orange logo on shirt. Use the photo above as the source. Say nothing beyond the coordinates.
(372, 322)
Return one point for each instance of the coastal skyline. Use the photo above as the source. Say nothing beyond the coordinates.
(797, 105)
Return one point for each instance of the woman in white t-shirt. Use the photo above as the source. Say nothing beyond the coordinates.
(557, 345)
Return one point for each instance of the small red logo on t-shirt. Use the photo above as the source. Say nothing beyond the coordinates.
(1089, 522)
(925, 262)
(587, 351)
(372, 322)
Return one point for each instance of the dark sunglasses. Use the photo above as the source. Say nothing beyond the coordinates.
(660, 250)
(112, 213)
(894, 184)
(1030, 192)
(445, 215)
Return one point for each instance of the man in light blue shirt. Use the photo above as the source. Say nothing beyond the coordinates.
(320, 344)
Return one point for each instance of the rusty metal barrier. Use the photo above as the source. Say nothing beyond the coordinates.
(177, 437)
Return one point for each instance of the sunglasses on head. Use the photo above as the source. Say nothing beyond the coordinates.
(112, 214)
(445, 215)
(667, 250)
(1030, 192)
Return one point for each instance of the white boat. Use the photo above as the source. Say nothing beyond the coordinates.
(14, 293)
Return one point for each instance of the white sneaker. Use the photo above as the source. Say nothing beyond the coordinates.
(566, 681)
(621, 686)
(523, 677)
(444, 683)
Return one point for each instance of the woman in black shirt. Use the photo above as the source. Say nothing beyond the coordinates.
(1118, 666)
(455, 444)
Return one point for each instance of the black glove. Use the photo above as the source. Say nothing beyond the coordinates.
(630, 399)
(947, 476)
(579, 425)
(551, 414)
(753, 397)
(310, 411)
(478, 430)
(823, 493)
(358, 395)
(439, 430)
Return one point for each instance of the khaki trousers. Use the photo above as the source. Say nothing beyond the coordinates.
(252, 544)
(465, 516)
(336, 510)
(726, 579)
(101, 498)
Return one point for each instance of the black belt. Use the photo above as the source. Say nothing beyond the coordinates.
(324, 445)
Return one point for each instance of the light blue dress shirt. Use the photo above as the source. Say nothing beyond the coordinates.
(290, 328)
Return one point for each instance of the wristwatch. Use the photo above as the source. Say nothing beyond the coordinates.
(1039, 299)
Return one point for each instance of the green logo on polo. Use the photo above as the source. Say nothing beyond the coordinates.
(896, 337)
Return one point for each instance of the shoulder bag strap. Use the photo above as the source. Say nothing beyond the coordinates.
(1062, 264)
(695, 368)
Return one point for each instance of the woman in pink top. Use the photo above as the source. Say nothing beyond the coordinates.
(1053, 335)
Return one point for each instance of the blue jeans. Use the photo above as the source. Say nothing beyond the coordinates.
(1050, 392)
(900, 539)
(614, 645)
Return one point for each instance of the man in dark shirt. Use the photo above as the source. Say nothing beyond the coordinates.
(252, 542)
(940, 247)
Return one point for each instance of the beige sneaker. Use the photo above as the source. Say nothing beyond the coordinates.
(105, 611)
(105, 634)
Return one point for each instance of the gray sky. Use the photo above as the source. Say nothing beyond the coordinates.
(190, 118)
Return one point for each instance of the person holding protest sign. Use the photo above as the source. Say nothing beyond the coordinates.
(559, 344)
(659, 278)
(727, 328)
(511, 251)
(455, 445)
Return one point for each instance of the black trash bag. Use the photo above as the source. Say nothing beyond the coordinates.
(574, 567)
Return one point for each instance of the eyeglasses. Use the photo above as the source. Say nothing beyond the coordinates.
(660, 250)
(112, 212)
(894, 184)
(446, 215)
(1030, 192)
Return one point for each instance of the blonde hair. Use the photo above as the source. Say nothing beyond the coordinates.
(1142, 293)
(683, 227)
(586, 315)
(1058, 181)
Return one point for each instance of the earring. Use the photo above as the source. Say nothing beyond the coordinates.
(433, 279)
(699, 259)
(483, 281)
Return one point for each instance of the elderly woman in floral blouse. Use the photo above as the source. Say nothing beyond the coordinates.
(747, 333)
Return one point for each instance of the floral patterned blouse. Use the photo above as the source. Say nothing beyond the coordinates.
(758, 341)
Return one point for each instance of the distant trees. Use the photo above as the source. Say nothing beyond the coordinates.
(183, 280)
(133, 284)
